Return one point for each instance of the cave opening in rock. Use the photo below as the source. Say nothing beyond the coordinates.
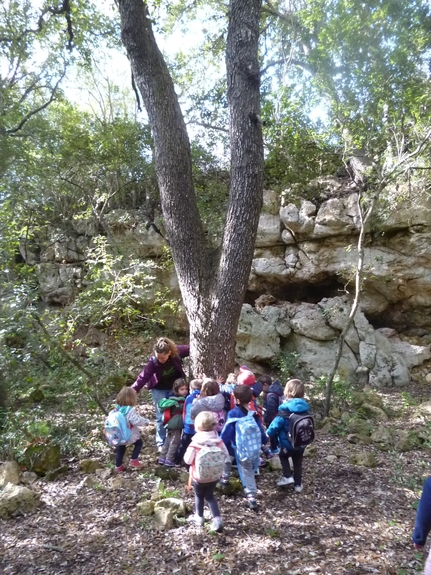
(304, 292)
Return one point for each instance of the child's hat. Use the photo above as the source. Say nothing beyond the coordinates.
(245, 376)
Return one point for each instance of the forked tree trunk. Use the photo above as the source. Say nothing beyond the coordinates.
(212, 282)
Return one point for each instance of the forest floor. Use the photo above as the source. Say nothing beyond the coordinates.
(348, 520)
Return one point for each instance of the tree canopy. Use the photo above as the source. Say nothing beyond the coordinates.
(333, 79)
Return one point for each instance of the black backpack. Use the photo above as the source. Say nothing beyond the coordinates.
(300, 428)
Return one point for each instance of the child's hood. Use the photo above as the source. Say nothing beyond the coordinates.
(277, 388)
(205, 438)
(124, 409)
(295, 405)
(213, 402)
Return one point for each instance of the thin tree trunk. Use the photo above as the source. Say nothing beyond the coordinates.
(355, 305)
(384, 181)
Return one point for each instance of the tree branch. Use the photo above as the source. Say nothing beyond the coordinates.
(13, 131)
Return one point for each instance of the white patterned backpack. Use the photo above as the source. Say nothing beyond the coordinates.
(209, 463)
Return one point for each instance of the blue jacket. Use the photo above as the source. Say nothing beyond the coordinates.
(423, 516)
(189, 426)
(272, 401)
(279, 425)
(228, 432)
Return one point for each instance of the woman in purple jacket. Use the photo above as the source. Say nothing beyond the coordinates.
(159, 375)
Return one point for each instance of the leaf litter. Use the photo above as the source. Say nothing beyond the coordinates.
(348, 520)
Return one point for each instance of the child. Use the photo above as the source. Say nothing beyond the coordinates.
(243, 395)
(127, 399)
(247, 377)
(294, 403)
(206, 435)
(210, 399)
(423, 523)
(273, 394)
(189, 428)
(173, 421)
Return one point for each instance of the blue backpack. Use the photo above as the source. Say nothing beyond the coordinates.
(116, 430)
(248, 439)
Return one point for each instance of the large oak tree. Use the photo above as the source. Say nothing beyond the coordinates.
(212, 281)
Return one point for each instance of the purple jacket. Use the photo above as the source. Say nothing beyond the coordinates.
(152, 372)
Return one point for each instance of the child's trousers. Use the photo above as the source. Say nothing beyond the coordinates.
(297, 457)
(121, 450)
(246, 470)
(185, 442)
(172, 441)
(205, 491)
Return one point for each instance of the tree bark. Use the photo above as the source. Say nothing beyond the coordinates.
(212, 282)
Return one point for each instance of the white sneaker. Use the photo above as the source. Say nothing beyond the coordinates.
(285, 481)
(196, 519)
(298, 488)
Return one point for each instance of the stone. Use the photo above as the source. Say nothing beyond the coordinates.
(360, 439)
(118, 482)
(383, 438)
(373, 412)
(90, 465)
(257, 339)
(328, 424)
(177, 505)
(163, 518)
(166, 473)
(424, 409)
(145, 508)
(103, 473)
(29, 477)
(42, 458)
(428, 378)
(407, 441)
(274, 463)
(358, 427)
(9, 473)
(17, 500)
(269, 230)
(331, 458)
(184, 476)
(234, 487)
(54, 474)
(364, 459)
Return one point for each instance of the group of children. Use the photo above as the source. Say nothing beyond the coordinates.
(206, 421)
(203, 432)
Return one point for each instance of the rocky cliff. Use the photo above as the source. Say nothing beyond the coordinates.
(301, 280)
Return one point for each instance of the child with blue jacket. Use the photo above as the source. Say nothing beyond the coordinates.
(423, 523)
(189, 426)
(243, 395)
(295, 403)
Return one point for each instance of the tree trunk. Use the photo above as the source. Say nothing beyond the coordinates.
(212, 282)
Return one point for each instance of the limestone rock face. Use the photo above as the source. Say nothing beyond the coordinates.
(375, 357)
(305, 256)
